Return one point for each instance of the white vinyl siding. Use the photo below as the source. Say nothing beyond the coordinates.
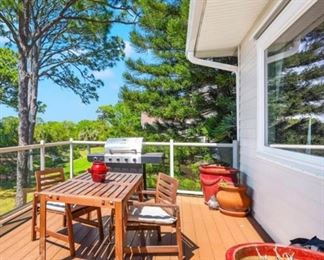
(287, 202)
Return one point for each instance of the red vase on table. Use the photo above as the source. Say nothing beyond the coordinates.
(98, 171)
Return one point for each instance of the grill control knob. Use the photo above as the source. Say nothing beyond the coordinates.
(134, 159)
(110, 159)
(118, 159)
(126, 159)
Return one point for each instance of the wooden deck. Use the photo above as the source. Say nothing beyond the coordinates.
(207, 234)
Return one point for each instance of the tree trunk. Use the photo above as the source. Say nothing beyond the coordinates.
(27, 96)
(23, 130)
(33, 90)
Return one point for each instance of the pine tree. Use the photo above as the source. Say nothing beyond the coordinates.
(188, 100)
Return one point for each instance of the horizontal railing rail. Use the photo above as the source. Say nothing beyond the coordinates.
(11, 149)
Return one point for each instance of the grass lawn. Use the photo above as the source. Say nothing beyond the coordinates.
(81, 164)
(7, 197)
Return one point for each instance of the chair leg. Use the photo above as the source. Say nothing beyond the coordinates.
(34, 220)
(70, 229)
(100, 227)
(142, 238)
(159, 234)
(64, 221)
(179, 240)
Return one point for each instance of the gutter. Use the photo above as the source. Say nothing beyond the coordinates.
(212, 64)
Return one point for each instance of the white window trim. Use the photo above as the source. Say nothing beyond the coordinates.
(305, 163)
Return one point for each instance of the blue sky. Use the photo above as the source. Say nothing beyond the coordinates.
(62, 104)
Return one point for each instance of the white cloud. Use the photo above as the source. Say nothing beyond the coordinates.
(129, 50)
(104, 74)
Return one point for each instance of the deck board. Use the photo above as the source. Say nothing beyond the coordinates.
(207, 234)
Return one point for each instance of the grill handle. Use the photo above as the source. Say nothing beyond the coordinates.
(126, 150)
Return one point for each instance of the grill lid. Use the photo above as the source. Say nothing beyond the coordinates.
(124, 145)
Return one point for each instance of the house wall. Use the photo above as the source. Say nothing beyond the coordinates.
(287, 202)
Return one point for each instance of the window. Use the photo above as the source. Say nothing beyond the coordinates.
(294, 86)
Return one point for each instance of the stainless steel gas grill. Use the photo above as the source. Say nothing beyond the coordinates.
(125, 155)
(124, 150)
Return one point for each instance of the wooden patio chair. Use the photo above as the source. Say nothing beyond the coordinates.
(153, 215)
(46, 179)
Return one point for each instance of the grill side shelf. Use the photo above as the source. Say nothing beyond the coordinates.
(152, 158)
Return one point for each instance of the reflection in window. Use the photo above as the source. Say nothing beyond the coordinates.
(295, 87)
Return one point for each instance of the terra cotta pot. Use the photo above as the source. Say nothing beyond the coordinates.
(233, 200)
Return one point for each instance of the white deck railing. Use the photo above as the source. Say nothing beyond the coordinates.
(171, 144)
(42, 146)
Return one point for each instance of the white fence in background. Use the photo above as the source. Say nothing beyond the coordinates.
(71, 143)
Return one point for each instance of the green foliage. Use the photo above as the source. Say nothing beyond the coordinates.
(9, 131)
(189, 100)
(121, 120)
(8, 77)
(92, 130)
(8, 137)
(55, 131)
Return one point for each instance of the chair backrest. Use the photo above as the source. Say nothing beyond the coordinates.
(166, 189)
(48, 177)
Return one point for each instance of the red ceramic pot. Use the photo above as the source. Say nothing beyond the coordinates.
(98, 171)
(211, 175)
(244, 251)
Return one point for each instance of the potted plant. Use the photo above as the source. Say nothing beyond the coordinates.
(232, 199)
(212, 174)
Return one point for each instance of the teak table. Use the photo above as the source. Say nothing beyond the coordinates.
(113, 193)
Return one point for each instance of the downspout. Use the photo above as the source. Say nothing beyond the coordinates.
(222, 66)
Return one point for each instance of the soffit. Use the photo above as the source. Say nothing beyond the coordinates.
(223, 25)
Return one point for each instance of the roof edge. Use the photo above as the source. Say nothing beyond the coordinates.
(196, 10)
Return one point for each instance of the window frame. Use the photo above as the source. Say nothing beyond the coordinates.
(302, 162)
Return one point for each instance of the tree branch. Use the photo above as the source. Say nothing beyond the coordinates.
(48, 50)
(12, 29)
(55, 21)
(87, 19)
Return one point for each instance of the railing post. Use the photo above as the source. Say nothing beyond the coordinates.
(30, 164)
(88, 148)
(31, 161)
(235, 154)
(171, 158)
(42, 155)
(71, 158)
